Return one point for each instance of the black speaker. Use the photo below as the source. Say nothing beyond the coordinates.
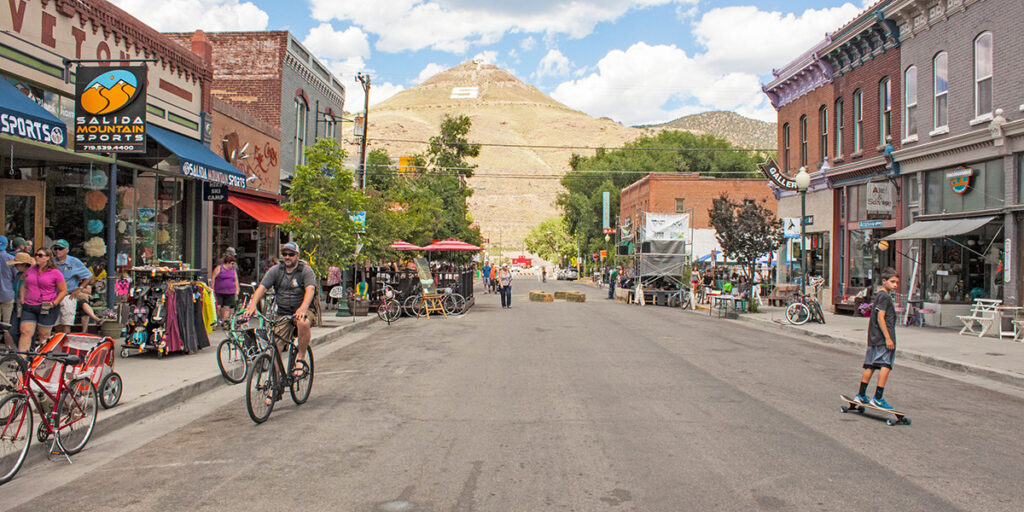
(645, 247)
(623, 250)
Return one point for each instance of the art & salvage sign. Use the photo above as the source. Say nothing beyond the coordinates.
(771, 170)
(110, 109)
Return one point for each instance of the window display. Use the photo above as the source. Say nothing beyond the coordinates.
(965, 267)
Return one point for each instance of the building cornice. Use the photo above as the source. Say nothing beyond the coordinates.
(799, 77)
(916, 16)
(991, 135)
(866, 37)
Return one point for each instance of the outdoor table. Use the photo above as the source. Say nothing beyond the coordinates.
(1015, 322)
(723, 303)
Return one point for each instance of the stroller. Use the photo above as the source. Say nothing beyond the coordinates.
(97, 353)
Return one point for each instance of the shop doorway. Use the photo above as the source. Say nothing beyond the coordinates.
(22, 203)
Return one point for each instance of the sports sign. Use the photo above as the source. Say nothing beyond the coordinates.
(771, 170)
(110, 109)
(960, 179)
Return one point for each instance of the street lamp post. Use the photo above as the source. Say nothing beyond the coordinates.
(803, 182)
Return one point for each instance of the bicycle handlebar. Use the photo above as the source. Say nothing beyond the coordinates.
(60, 357)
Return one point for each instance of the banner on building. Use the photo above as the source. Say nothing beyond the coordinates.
(771, 170)
(110, 109)
(667, 226)
(879, 198)
(606, 214)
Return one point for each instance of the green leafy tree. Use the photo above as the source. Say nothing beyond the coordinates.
(381, 175)
(746, 230)
(550, 240)
(449, 150)
(320, 200)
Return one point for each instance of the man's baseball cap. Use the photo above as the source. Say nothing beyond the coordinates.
(231, 251)
(62, 243)
(19, 241)
(290, 246)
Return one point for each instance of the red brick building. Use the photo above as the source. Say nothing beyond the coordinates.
(671, 193)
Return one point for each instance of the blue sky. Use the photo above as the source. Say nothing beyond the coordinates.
(636, 61)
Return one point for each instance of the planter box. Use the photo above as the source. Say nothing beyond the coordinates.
(359, 308)
(110, 329)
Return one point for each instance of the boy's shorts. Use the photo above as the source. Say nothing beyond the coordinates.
(879, 357)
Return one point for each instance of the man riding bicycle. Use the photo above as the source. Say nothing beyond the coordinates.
(294, 285)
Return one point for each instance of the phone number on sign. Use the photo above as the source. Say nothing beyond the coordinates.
(112, 147)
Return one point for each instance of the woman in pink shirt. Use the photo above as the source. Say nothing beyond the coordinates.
(44, 287)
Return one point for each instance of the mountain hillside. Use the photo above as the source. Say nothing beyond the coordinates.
(514, 187)
(741, 131)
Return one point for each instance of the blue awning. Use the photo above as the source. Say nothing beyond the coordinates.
(197, 160)
(22, 117)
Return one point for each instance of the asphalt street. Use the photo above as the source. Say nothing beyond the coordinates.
(564, 407)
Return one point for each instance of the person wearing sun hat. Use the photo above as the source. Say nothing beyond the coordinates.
(6, 282)
(76, 276)
(18, 264)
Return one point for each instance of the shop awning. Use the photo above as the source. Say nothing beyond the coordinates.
(197, 160)
(263, 210)
(22, 117)
(939, 228)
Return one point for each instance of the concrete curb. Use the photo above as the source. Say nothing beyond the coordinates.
(1005, 377)
(111, 420)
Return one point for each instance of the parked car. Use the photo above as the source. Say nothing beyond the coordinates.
(571, 275)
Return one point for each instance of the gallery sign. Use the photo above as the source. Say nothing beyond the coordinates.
(110, 109)
(960, 179)
(771, 170)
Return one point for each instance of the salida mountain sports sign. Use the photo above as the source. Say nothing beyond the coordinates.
(110, 109)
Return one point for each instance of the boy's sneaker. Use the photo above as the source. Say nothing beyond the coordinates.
(881, 404)
(862, 399)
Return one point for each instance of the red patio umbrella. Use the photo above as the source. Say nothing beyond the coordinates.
(452, 245)
(402, 245)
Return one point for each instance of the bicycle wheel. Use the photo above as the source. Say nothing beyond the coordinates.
(684, 299)
(819, 315)
(382, 312)
(451, 304)
(394, 310)
(302, 386)
(76, 415)
(232, 361)
(15, 434)
(460, 303)
(12, 369)
(110, 390)
(798, 313)
(411, 305)
(260, 388)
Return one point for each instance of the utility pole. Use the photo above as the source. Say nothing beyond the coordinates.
(365, 81)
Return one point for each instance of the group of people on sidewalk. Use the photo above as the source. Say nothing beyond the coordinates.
(41, 290)
(501, 282)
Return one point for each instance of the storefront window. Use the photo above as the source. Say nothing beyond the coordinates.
(965, 267)
(160, 219)
(860, 260)
(818, 255)
(76, 210)
(986, 190)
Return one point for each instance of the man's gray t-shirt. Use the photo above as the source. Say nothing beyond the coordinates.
(883, 302)
(289, 287)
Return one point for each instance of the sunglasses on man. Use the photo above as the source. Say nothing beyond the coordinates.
(58, 248)
(289, 254)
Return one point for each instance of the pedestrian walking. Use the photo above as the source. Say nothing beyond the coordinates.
(6, 282)
(543, 274)
(20, 263)
(76, 275)
(485, 273)
(226, 287)
(613, 276)
(505, 286)
(40, 296)
(881, 341)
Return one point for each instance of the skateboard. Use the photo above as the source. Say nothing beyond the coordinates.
(854, 405)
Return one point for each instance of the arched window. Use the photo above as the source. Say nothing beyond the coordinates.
(884, 110)
(803, 140)
(983, 74)
(910, 102)
(858, 120)
(785, 146)
(301, 114)
(940, 72)
(822, 133)
(840, 127)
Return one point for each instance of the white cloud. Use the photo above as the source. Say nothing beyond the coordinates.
(553, 64)
(189, 15)
(328, 43)
(528, 43)
(413, 24)
(646, 84)
(486, 57)
(750, 40)
(428, 71)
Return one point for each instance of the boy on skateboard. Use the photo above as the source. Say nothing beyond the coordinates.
(881, 341)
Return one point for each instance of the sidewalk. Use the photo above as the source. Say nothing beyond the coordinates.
(152, 384)
(989, 357)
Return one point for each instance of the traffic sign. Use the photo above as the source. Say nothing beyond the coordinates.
(604, 254)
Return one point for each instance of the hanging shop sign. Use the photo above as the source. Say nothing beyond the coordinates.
(879, 198)
(360, 219)
(215, 191)
(771, 170)
(110, 109)
(791, 227)
(1007, 260)
(960, 179)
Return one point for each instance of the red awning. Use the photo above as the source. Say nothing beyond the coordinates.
(453, 245)
(265, 211)
(402, 245)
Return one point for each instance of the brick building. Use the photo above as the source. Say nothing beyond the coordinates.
(682, 193)
(272, 77)
(961, 156)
